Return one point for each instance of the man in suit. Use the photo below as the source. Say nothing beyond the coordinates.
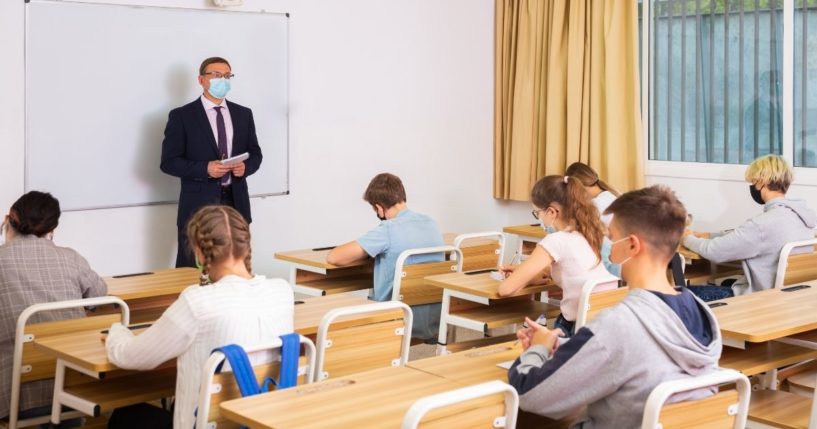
(200, 134)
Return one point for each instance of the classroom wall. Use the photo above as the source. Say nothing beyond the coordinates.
(719, 204)
(400, 86)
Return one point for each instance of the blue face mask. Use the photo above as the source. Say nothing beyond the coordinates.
(550, 229)
(219, 87)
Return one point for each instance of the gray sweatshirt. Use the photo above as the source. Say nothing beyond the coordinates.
(612, 364)
(759, 240)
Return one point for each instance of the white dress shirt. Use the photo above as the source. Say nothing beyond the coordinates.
(209, 108)
(233, 310)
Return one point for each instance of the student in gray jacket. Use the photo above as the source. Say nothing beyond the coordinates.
(759, 240)
(657, 333)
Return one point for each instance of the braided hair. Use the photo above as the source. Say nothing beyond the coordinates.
(219, 232)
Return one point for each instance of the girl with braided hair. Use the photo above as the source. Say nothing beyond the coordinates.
(571, 250)
(230, 306)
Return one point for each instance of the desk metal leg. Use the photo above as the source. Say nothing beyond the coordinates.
(61, 397)
(442, 338)
(59, 383)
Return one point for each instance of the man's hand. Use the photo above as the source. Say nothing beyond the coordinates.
(238, 169)
(538, 334)
(216, 170)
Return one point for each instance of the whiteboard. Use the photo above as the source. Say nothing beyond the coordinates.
(101, 80)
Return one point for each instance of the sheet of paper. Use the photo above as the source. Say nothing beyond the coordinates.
(236, 159)
(506, 365)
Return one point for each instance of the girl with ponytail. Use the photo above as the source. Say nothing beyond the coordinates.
(230, 306)
(571, 249)
(600, 192)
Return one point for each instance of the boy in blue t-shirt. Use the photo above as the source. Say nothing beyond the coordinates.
(400, 229)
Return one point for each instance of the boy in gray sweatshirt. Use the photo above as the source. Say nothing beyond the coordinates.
(759, 240)
(657, 333)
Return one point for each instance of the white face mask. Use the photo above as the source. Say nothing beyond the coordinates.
(620, 264)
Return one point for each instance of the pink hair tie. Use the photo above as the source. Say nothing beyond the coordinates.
(565, 180)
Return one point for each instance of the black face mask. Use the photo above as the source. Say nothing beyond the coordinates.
(376, 213)
(756, 195)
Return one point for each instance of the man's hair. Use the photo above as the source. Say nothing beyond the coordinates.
(771, 171)
(212, 60)
(654, 214)
(385, 189)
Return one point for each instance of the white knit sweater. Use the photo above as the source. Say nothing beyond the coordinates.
(232, 310)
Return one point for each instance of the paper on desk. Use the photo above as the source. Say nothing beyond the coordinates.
(505, 365)
(236, 159)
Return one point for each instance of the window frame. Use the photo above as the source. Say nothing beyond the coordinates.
(806, 176)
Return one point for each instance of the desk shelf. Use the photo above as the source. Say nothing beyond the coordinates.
(503, 314)
(333, 285)
(763, 357)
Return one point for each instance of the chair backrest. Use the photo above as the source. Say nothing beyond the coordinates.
(798, 263)
(475, 417)
(727, 408)
(216, 388)
(409, 279)
(358, 344)
(481, 250)
(30, 364)
(598, 294)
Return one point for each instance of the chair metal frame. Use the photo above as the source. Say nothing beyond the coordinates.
(584, 298)
(422, 406)
(20, 338)
(661, 393)
(323, 342)
(208, 388)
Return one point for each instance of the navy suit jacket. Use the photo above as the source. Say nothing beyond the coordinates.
(188, 147)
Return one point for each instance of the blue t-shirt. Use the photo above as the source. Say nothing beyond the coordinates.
(690, 313)
(409, 230)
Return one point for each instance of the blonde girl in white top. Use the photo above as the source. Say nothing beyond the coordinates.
(600, 192)
(230, 306)
(571, 249)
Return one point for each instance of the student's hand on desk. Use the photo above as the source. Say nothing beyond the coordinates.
(695, 233)
(238, 169)
(536, 334)
(216, 170)
(507, 270)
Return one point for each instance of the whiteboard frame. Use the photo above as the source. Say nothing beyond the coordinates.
(132, 6)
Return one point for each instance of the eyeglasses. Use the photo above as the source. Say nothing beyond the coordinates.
(219, 75)
(535, 213)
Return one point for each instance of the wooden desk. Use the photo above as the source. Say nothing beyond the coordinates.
(84, 352)
(373, 399)
(767, 315)
(471, 301)
(309, 314)
(529, 235)
(150, 294)
(479, 366)
(100, 386)
(311, 275)
(472, 366)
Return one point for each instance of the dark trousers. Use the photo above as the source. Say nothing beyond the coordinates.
(184, 255)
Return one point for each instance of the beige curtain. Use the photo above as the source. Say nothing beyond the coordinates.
(566, 90)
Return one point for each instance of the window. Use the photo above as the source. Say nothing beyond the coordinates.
(805, 83)
(716, 81)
